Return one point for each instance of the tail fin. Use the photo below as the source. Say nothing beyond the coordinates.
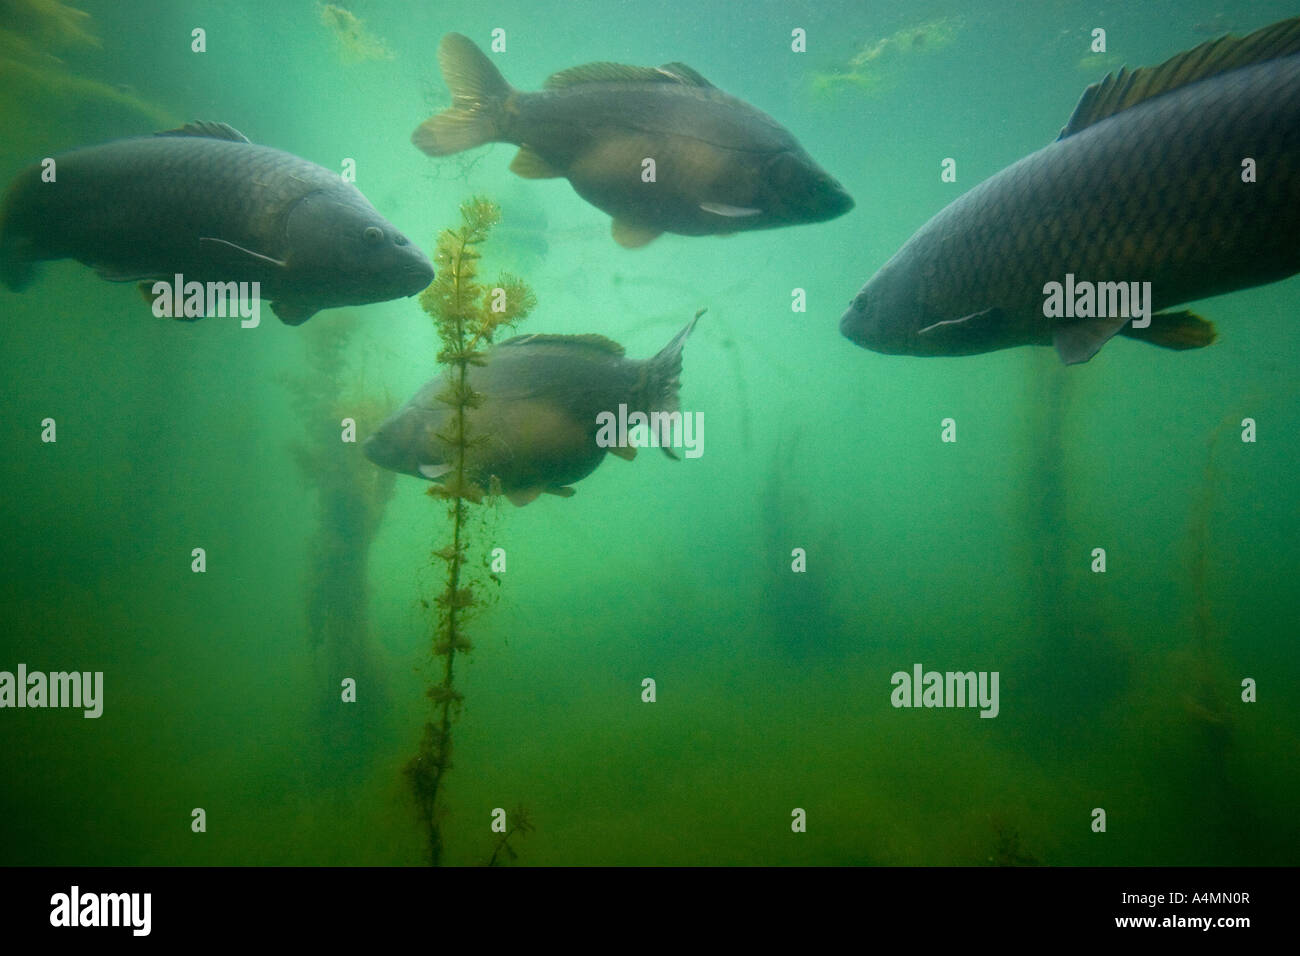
(665, 376)
(478, 95)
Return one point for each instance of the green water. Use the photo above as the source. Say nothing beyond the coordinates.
(1119, 691)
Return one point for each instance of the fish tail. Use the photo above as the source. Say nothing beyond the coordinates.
(666, 371)
(478, 96)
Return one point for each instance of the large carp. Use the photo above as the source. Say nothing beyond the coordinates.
(1169, 184)
(536, 423)
(719, 165)
(204, 202)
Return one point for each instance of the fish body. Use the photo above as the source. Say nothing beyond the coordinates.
(1146, 185)
(204, 202)
(719, 165)
(535, 428)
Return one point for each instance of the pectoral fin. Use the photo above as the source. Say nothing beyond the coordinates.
(529, 164)
(433, 472)
(121, 274)
(731, 212)
(562, 492)
(1079, 341)
(633, 237)
(292, 313)
(626, 452)
(522, 496)
(970, 333)
(249, 253)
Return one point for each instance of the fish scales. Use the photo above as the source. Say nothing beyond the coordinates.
(1153, 193)
(205, 203)
(721, 166)
(535, 425)
(122, 198)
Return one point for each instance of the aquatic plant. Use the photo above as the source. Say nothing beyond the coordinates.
(521, 822)
(351, 497)
(874, 68)
(39, 92)
(467, 315)
(356, 44)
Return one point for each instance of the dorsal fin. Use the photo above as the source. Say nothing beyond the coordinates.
(591, 340)
(685, 74)
(207, 130)
(621, 73)
(1119, 91)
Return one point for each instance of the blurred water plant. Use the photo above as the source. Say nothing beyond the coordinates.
(521, 822)
(39, 92)
(351, 498)
(875, 67)
(467, 316)
(356, 44)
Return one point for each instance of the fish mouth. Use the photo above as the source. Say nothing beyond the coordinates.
(849, 328)
(416, 277)
(838, 202)
(857, 328)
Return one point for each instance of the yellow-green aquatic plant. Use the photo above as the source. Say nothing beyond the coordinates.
(356, 44)
(467, 316)
(875, 67)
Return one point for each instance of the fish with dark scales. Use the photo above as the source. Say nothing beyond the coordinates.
(535, 428)
(204, 202)
(720, 165)
(1148, 183)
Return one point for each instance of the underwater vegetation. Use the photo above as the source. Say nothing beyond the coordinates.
(801, 609)
(877, 65)
(463, 313)
(1009, 850)
(39, 91)
(47, 22)
(355, 43)
(521, 822)
(351, 498)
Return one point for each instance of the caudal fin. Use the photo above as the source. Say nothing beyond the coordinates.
(478, 95)
(666, 371)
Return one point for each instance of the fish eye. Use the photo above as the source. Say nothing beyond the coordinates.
(373, 234)
(400, 240)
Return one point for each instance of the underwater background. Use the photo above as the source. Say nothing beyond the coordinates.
(1119, 690)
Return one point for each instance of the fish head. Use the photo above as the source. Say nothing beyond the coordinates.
(795, 189)
(343, 246)
(407, 441)
(888, 315)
